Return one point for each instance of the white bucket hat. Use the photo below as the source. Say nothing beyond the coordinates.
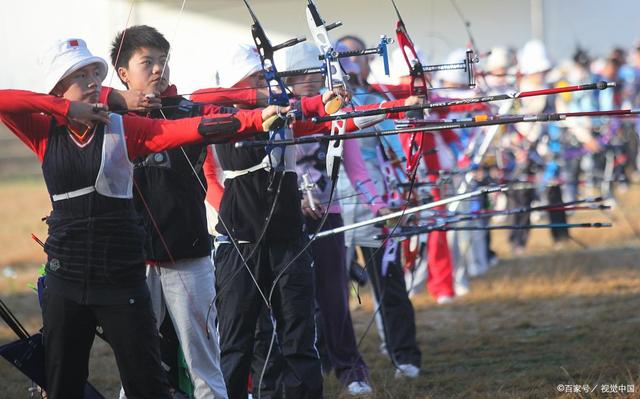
(244, 61)
(302, 55)
(65, 57)
(499, 58)
(533, 58)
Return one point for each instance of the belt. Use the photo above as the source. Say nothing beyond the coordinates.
(73, 194)
(232, 174)
(222, 239)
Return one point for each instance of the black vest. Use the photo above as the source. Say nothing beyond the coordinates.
(248, 199)
(95, 243)
(174, 194)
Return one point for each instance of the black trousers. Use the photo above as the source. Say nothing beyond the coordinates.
(332, 298)
(520, 198)
(333, 318)
(271, 385)
(239, 304)
(554, 196)
(396, 310)
(69, 330)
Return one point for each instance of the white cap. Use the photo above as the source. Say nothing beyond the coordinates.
(65, 57)
(499, 58)
(302, 55)
(244, 61)
(455, 76)
(533, 58)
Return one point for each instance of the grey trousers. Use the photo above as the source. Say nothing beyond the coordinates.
(185, 290)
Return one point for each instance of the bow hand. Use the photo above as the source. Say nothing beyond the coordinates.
(88, 114)
(335, 99)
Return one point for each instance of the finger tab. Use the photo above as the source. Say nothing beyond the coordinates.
(333, 105)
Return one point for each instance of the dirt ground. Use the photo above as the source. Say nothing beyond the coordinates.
(534, 326)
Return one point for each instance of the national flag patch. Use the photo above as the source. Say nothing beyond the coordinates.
(73, 43)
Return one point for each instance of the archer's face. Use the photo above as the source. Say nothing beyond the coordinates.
(252, 81)
(362, 62)
(82, 85)
(147, 71)
(306, 85)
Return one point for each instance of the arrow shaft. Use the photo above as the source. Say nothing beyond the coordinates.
(382, 133)
(428, 229)
(468, 101)
(408, 211)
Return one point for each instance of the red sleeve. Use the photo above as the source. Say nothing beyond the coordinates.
(22, 101)
(22, 112)
(397, 91)
(385, 104)
(228, 97)
(250, 119)
(477, 107)
(305, 128)
(214, 188)
(146, 136)
(312, 106)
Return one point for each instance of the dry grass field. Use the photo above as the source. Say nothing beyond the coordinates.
(554, 316)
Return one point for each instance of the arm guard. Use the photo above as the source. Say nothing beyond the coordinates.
(218, 130)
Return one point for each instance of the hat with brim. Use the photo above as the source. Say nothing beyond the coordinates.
(301, 56)
(65, 57)
(499, 58)
(533, 58)
(244, 62)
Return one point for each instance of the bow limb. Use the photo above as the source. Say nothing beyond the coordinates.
(334, 78)
(418, 85)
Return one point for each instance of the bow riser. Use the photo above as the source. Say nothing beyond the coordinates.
(334, 78)
(277, 89)
(418, 86)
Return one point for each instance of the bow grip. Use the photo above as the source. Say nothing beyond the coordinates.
(334, 105)
(268, 124)
(335, 149)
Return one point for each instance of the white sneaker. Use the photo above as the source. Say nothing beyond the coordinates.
(444, 300)
(461, 289)
(359, 388)
(407, 370)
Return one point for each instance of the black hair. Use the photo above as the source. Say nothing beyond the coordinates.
(581, 57)
(127, 42)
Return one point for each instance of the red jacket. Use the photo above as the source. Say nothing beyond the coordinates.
(28, 115)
